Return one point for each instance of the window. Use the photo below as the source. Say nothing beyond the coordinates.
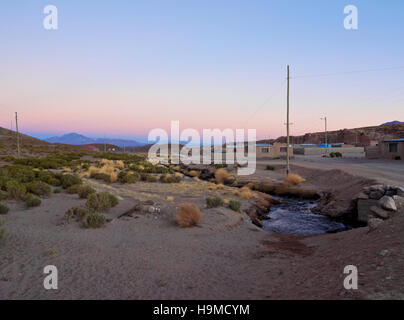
(393, 147)
(282, 149)
(264, 150)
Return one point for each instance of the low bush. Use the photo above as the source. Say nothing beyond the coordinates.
(128, 177)
(269, 167)
(246, 193)
(235, 205)
(77, 213)
(2, 231)
(170, 178)
(293, 180)
(32, 201)
(188, 215)
(16, 190)
(74, 189)
(69, 180)
(102, 201)
(57, 190)
(214, 202)
(221, 175)
(3, 208)
(85, 191)
(39, 188)
(94, 220)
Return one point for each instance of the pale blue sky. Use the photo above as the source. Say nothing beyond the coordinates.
(125, 67)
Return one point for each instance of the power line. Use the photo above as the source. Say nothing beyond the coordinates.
(346, 72)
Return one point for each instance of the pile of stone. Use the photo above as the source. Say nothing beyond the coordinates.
(379, 202)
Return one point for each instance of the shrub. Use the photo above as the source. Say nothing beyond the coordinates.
(54, 182)
(221, 175)
(69, 180)
(193, 173)
(16, 190)
(269, 167)
(293, 179)
(39, 188)
(338, 154)
(188, 215)
(235, 205)
(3, 208)
(214, 202)
(119, 164)
(85, 191)
(127, 177)
(246, 193)
(150, 178)
(2, 231)
(169, 178)
(57, 190)
(102, 201)
(78, 213)
(32, 201)
(74, 189)
(94, 220)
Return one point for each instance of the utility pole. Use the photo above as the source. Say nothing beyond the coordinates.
(287, 128)
(325, 133)
(105, 145)
(18, 136)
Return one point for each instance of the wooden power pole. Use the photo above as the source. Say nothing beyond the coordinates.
(287, 129)
(18, 136)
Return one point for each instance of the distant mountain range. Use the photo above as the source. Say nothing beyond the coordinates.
(392, 122)
(78, 139)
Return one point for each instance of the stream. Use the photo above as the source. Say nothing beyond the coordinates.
(294, 216)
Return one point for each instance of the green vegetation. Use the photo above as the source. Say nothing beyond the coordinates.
(85, 191)
(32, 201)
(69, 180)
(100, 202)
(3, 208)
(2, 231)
(16, 190)
(74, 189)
(128, 177)
(335, 154)
(55, 161)
(235, 205)
(77, 213)
(170, 178)
(214, 202)
(39, 188)
(94, 220)
(57, 190)
(269, 167)
(220, 165)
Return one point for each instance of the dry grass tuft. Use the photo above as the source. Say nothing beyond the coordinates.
(221, 175)
(196, 178)
(236, 193)
(220, 186)
(193, 173)
(293, 180)
(170, 199)
(119, 164)
(188, 215)
(246, 193)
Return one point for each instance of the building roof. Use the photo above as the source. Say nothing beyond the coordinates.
(395, 140)
(263, 145)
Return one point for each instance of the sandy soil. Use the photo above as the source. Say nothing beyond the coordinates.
(147, 256)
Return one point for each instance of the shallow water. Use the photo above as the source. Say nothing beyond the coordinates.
(294, 216)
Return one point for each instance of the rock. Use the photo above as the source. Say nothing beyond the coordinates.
(374, 223)
(399, 201)
(400, 191)
(376, 195)
(388, 203)
(379, 212)
(366, 190)
(378, 187)
(362, 195)
(364, 209)
(384, 253)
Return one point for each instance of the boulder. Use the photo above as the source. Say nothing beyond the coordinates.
(378, 187)
(376, 195)
(388, 203)
(379, 212)
(362, 195)
(399, 201)
(400, 191)
(364, 209)
(374, 223)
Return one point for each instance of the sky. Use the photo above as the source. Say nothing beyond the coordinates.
(122, 68)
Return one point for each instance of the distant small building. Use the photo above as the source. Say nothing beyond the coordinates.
(277, 150)
(392, 149)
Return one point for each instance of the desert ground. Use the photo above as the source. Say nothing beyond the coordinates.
(142, 253)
